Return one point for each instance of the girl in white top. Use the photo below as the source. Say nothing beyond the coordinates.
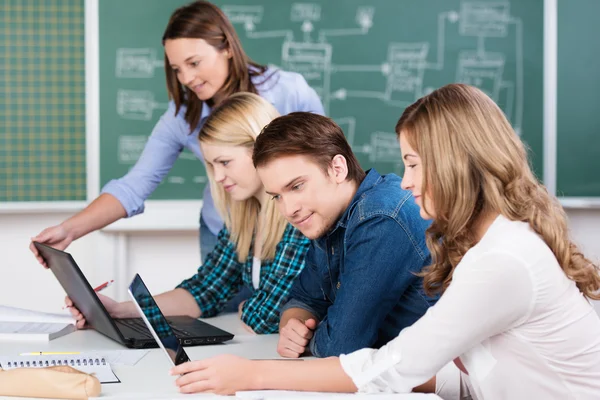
(513, 315)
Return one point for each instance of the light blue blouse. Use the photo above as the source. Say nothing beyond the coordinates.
(287, 91)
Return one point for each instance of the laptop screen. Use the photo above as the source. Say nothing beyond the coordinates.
(156, 321)
(78, 288)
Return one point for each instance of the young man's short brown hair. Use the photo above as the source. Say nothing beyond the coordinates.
(307, 134)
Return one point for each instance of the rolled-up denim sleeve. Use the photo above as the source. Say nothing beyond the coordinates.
(293, 303)
(379, 265)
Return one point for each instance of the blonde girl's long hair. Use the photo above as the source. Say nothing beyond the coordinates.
(237, 121)
(474, 163)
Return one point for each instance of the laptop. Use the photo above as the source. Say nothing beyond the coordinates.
(156, 322)
(131, 332)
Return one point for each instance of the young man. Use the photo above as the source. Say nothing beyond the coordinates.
(359, 287)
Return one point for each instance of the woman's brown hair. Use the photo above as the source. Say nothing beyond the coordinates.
(474, 163)
(203, 20)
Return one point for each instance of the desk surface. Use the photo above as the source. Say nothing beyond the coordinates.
(151, 374)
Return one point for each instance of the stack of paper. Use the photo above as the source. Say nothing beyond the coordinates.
(21, 324)
(293, 395)
(274, 395)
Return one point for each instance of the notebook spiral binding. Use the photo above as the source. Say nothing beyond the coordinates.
(52, 363)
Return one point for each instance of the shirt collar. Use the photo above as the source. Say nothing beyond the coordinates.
(205, 111)
(371, 179)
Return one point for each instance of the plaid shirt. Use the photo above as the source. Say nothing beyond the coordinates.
(221, 277)
(152, 312)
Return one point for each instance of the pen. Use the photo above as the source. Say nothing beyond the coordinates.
(98, 288)
(48, 353)
(103, 286)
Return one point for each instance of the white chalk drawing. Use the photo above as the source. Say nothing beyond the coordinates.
(302, 12)
(137, 63)
(249, 16)
(137, 104)
(484, 19)
(348, 125)
(405, 69)
(130, 148)
(485, 70)
(177, 180)
(382, 148)
(309, 51)
(180, 180)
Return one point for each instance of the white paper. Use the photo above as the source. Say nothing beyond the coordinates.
(30, 327)
(294, 395)
(272, 394)
(14, 314)
(152, 396)
(33, 331)
(118, 357)
(88, 365)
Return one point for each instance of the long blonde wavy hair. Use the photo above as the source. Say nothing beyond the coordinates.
(237, 121)
(473, 164)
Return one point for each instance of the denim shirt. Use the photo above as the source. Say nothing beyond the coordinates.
(287, 91)
(359, 279)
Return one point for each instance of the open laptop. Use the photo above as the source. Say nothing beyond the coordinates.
(131, 332)
(156, 322)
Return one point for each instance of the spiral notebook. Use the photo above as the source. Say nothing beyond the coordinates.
(90, 365)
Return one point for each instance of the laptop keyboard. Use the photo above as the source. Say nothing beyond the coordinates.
(138, 325)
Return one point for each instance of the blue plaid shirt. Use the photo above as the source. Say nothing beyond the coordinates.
(155, 317)
(221, 277)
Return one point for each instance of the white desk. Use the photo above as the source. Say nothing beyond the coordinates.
(151, 374)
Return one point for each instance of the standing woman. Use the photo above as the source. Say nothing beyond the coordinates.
(514, 314)
(204, 64)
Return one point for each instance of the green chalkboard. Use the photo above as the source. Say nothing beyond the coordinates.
(367, 59)
(578, 98)
(42, 101)
(133, 93)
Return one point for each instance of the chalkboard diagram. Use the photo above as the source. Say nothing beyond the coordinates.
(406, 64)
(405, 67)
(140, 104)
(367, 60)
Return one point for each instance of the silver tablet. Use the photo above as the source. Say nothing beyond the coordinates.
(156, 322)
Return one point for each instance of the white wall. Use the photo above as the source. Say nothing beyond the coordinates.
(162, 259)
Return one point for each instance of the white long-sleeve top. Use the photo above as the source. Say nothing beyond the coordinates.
(521, 328)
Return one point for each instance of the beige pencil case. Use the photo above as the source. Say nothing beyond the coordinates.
(61, 382)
